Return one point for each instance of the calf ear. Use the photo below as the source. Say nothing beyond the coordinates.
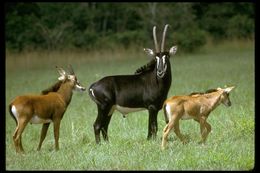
(173, 50)
(149, 52)
(227, 90)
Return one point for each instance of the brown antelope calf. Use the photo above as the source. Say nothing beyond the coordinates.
(48, 107)
(195, 106)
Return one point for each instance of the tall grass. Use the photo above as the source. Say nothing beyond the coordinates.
(230, 145)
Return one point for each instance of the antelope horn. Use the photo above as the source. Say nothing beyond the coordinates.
(155, 40)
(163, 38)
(71, 70)
(61, 71)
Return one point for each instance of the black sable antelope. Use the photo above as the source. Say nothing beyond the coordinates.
(146, 89)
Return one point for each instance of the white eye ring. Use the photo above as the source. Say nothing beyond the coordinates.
(163, 59)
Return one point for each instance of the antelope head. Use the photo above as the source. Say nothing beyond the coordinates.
(161, 56)
(70, 77)
(224, 98)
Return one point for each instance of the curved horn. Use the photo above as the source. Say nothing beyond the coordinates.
(71, 70)
(155, 40)
(163, 38)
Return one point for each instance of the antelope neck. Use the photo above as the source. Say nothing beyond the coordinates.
(65, 91)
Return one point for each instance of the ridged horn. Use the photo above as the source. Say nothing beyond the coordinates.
(155, 40)
(163, 38)
(71, 70)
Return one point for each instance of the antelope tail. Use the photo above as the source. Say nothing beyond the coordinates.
(11, 113)
(165, 114)
(93, 97)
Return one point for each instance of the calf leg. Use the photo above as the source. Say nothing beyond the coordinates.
(56, 128)
(205, 128)
(14, 137)
(152, 126)
(205, 134)
(174, 123)
(17, 136)
(43, 134)
(177, 131)
(166, 132)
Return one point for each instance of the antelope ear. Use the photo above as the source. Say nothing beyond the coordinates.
(227, 90)
(150, 52)
(173, 50)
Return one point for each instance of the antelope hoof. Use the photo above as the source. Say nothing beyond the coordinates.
(185, 142)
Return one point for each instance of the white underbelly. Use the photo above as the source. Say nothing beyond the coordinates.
(34, 120)
(126, 110)
(37, 120)
(186, 117)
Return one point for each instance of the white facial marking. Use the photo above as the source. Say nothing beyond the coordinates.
(126, 110)
(79, 88)
(37, 120)
(163, 59)
(157, 61)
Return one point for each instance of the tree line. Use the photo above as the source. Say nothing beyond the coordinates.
(94, 26)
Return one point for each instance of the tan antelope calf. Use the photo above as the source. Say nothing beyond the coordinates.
(48, 107)
(195, 106)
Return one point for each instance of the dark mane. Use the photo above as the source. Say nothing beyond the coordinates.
(195, 93)
(201, 93)
(211, 91)
(53, 88)
(147, 67)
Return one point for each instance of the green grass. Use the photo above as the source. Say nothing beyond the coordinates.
(230, 145)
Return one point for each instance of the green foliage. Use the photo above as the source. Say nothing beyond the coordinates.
(240, 26)
(190, 39)
(230, 145)
(94, 25)
(221, 19)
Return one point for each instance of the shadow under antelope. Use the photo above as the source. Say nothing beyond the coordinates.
(48, 107)
(195, 106)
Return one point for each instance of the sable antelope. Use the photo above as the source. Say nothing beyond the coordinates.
(195, 106)
(48, 107)
(146, 89)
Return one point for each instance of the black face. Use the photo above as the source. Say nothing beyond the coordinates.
(161, 64)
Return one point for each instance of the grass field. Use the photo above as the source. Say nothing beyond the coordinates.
(230, 145)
